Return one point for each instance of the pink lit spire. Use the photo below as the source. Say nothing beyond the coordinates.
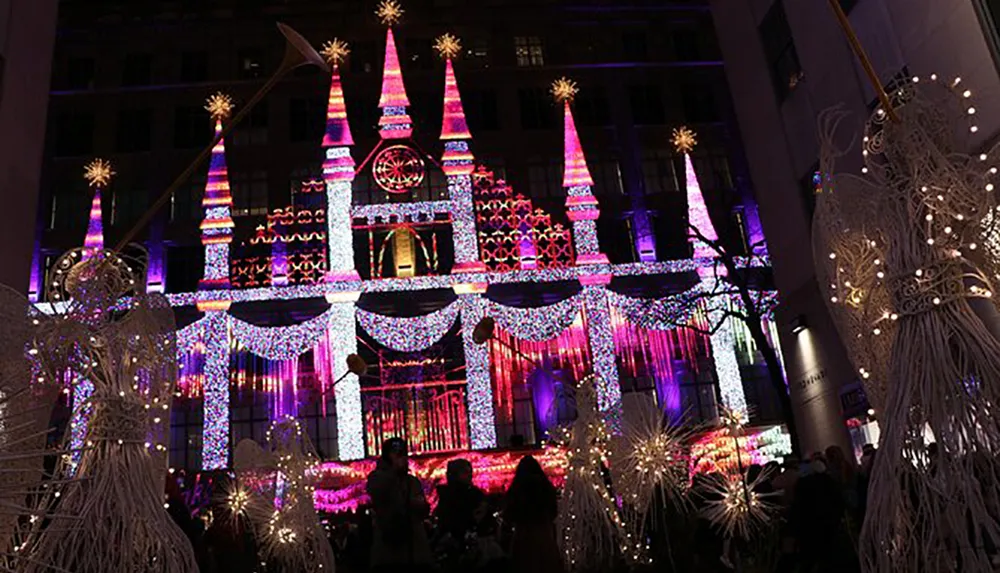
(698, 217)
(338, 132)
(453, 124)
(98, 174)
(393, 90)
(217, 224)
(575, 172)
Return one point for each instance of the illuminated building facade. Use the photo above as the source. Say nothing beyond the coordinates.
(414, 211)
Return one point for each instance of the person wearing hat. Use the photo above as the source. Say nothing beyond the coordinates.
(399, 540)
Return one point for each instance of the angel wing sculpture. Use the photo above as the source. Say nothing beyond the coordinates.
(899, 253)
(124, 346)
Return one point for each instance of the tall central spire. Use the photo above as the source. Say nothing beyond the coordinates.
(98, 174)
(217, 224)
(395, 122)
(684, 141)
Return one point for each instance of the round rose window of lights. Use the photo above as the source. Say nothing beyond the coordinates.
(398, 168)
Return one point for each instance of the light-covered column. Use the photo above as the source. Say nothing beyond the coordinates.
(602, 352)
(215, 388)
(479, 386)
(344, 342)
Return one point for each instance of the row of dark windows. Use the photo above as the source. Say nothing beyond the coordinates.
(74, 131)
(139, 69)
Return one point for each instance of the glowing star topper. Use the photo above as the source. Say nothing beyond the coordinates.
(389, 12)
(684, 139)
(335, 51)
(98, 173)
(219, 105)
(564, 89)
(448, 46)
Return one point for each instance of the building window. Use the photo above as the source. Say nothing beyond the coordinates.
(634, 46)
(79, 74)
(591, 107)
(779, 50)
(137, 70)
(194, 67)
(250, 63)
(529, 52)
(186, 433)
(362, 58)
(192, 127)
(306, 119)
(545, 179)
(420, 53)
(250, 195)
(70, 209)
(647, 105)
(185, 203)
(607, 177)
(253, 129)
(127, 205)
(135, 130)
(698, 103)
(537, 111)
(479, 51)
(687, 44)
(481, 110)
(658, 172)
(250, 412)
(74, 133)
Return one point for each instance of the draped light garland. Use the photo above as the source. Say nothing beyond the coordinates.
(409, 334)
(539, 323)
(279, 342)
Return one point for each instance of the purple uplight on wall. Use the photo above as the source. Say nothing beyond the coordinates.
(543, 394)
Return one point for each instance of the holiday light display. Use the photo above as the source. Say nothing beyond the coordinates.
(581, 205)
(217, 226)
(98, 174)
(500, 238)
(408, 334)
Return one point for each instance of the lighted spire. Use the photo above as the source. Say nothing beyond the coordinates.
(684, 141)
(395, 123)
(217, 224)
(453, 124)
(575, 172)
(338, 132)
(98, 174)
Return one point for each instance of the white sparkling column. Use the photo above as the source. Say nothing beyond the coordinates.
(344, 342)
(602, 351)
(479, 386)
(215, 435)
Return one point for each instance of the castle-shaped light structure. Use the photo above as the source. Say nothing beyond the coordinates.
(588, 316)
(727, 367)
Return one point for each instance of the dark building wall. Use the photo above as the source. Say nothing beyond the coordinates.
(27, 32)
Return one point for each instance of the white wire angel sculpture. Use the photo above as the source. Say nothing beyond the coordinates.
(124, 346)
(900, 254)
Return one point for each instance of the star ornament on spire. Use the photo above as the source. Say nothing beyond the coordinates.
(564, 89)
(684, 139)
(448, 46)
(389, 12)
(335, 51)
(220, 106)
(98, 173)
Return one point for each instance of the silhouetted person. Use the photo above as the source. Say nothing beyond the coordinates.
(460, 503)
(399, 541)
(531, 508)
(817, 520)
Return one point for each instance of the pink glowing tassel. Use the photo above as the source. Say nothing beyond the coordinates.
(698, 216)
(93, 243)
(575, 172)
(453, 124)
(393, 90)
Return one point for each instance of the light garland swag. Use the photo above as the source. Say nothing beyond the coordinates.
(898, 253)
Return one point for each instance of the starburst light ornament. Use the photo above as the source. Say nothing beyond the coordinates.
(564, 89)
(389, 12)
(219, 105)
(335, 51)
(684, 139)
(735, 506)
(448, 46)
(98, 173)
(899, 253)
